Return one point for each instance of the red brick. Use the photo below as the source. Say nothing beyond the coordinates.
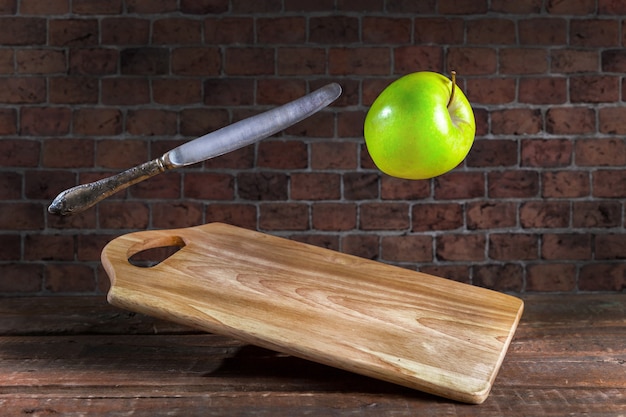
(491, 215)
(439, 30)
(315, 186)
(609, 183)
(242, 215)
(576, 7)
(40, 61)
(73, 90)
(10, 248)
(144, 61)
(204, 6)
(611, 120)
(551, 277)
(124, 31)
(408, 59)
(209, 186)
(61, 278)
(151, 122)
(490, 31)
(199, 121)
(460, 273)
(549, 90)
(228, 30)
(568, 246)
(364, 246)
(176, 214)
(21, 278)
(22, 31)
(492, 153)
(546, 152)
(47, 8)
(19, 153)
(333, 155)
(513, 246)
(8, 122)
(89, 246)
(407, 248)
(10, 185)
(279, 91)
(338, 29)
(121, 154)
(610, 246)
(594, 32)
(461, 247)
(513, 184)
(603, 277)
(6, 61)
(516, 121)
(436, 216)
(491, 90)
(543, 31)
(22, 90)
(301, 61)
(249, 61)
(196, 61)
(459, 185)
(125, 91)
(392, 188)
(151, 6)
(175, 31)
(229, 92)
(47, 184)
(516, 7)
(600, 152)
(613, 60)
(82, 221)
(360, 5)
(611, 7)
(285, 216)
(97, 121)
(570, 120)
(386, 30)
(334, 216)
(384, 216)
(544, 214)
(565, 184)
(570, 61)
(359, 61)
(283, 30)
(21, 216)
(308, 6)
(177, 91)
(239, 159)
(462, 6)
(45, 121)
(322, 241)
(282, 154)
(93, 61)
(262, 186)
(68, 153)
(472, 60)
(523, 61)
(507, 277)
(319, 125)
(594, 89)
(164, 186)
(73, 32)
(96, 7)
(360, 186)
(45, 247)
(597, 214)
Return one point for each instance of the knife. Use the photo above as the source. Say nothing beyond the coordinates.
(219, 142)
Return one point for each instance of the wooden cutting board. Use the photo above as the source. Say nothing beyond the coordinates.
(386, 322)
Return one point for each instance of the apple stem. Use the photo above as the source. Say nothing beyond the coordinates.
(453, 73)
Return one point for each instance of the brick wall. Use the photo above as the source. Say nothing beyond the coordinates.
(89, 88)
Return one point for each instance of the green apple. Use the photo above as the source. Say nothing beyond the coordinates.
(420, 126)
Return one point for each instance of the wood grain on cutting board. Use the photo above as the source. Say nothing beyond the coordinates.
(406, 327)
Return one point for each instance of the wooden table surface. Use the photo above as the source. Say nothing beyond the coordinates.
(79, 356)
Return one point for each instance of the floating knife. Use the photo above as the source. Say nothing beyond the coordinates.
(219, 142)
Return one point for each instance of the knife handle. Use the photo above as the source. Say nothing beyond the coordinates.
(81, 197)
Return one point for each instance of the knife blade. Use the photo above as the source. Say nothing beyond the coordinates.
(219, 142)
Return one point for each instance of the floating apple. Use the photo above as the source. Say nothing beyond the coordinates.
(420, 126)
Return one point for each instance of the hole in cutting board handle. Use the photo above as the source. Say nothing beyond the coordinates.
(152, 252)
